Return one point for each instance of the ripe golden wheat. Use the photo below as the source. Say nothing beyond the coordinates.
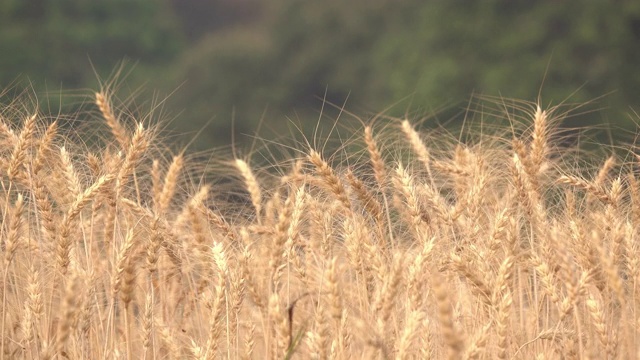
(416, 246)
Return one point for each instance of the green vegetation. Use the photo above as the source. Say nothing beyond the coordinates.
(237, 59)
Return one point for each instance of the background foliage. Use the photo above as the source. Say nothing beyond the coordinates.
(249, 59)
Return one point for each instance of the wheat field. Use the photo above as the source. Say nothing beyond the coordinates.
(505, 243)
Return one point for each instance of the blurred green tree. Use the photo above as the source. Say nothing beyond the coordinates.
(437, 53)
(59, 41)
(237, 58)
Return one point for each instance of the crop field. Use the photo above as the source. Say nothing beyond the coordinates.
(498, 242)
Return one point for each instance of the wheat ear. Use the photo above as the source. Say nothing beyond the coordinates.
(44, 147)
(69, 173)
(418, 147)
(69, 310)
(539, 146)
(412, 324)
(139, 144)
(597, 316)
(252, 186)
(118, 131)
(365, 196)
(147, 325)
(329, 177)
(82, 200)
(18, 157)
(15, 225)
(376, 157)
(170, 182)
(450, 334)
(589, 187)
(405, 185)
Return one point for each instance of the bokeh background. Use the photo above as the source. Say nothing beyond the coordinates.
(214, 61)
